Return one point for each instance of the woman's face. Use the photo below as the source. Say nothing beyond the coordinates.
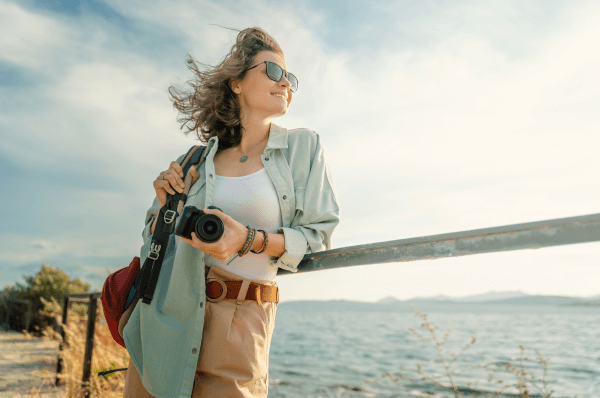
(258, 94)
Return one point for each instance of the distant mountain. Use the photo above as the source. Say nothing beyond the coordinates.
(493, 296)
(512, 297)
(490, 296)
(393, 300)
(388, 300)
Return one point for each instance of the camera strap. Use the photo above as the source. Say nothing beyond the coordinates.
(147, 279)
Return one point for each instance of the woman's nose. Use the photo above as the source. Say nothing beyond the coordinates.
(285, 82)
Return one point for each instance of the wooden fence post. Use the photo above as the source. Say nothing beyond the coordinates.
(63, 340)
(89, 343)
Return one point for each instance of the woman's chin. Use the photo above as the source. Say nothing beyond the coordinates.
(281, 111)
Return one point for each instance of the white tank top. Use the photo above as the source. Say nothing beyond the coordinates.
(250, 200)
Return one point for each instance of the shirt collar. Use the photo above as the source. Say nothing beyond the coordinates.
(278, 138)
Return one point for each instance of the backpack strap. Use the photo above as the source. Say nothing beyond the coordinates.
(165, 226)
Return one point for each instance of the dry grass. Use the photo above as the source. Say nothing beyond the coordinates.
(107, 354)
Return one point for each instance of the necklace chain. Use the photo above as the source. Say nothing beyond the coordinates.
(245, 157)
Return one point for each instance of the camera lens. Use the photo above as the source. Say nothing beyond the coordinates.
(209, 228)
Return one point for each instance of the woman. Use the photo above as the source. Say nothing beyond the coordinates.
(278, 203)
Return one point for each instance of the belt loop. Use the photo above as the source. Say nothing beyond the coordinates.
(243, 290)
(258, 294)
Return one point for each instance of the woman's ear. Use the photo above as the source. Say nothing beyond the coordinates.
(234, 84)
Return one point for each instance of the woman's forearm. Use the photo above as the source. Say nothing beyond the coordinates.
(275, 248)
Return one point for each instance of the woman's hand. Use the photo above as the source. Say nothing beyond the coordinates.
(171, 181)
(233, 239)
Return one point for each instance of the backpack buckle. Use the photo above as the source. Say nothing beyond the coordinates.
(170, 216)
(154, 251)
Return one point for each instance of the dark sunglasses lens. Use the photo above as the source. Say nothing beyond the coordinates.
(274, 71)
(293, 82)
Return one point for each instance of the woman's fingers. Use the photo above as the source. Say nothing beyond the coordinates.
(162, 185)
(173, 178)
(177, 173)
(169, 182)
(218, 250)
(174, 181)
(175, 166)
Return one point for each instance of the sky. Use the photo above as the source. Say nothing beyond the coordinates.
(435, 116)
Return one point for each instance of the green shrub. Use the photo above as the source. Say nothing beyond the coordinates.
(50, 285)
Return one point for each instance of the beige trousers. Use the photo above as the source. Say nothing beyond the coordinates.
(234, 354)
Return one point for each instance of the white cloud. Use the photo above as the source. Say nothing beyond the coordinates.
(459, 133)
(27, 37)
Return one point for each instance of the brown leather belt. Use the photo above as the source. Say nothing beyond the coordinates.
(217, 290)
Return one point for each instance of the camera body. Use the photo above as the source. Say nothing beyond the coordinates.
(208, 227)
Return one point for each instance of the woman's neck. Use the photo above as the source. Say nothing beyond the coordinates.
(253, 130)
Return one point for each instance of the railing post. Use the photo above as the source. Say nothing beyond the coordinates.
(63, 340)
(89, 343)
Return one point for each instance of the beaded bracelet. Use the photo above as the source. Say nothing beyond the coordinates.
(242, 252)
(252, 236)
(251, 242)
(265, 242)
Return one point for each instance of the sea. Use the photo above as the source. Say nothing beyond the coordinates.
(344, 349)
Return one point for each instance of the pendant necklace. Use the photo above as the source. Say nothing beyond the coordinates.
(245, 157)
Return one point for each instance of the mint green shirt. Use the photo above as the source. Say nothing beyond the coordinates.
(163, 338)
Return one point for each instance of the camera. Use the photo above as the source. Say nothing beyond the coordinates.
(208, 227)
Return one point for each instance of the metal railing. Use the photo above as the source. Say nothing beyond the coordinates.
(533, 235)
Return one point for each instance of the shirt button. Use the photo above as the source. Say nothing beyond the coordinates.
(194, 351)
(267, 158)
(284, 197)
(201, 305)
(210, 176)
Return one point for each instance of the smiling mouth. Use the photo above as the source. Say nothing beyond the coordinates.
(280, 96)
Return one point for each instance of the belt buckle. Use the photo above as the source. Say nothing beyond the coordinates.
(223, 294)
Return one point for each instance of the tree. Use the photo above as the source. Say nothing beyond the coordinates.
(50, 284)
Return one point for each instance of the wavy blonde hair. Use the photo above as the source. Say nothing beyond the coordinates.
(209, 107)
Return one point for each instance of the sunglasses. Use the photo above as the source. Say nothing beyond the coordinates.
(276, 73)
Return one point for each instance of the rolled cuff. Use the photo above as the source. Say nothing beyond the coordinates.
(295, 249)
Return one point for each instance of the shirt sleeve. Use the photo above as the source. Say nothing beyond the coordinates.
(317, 215)
(150, 216)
